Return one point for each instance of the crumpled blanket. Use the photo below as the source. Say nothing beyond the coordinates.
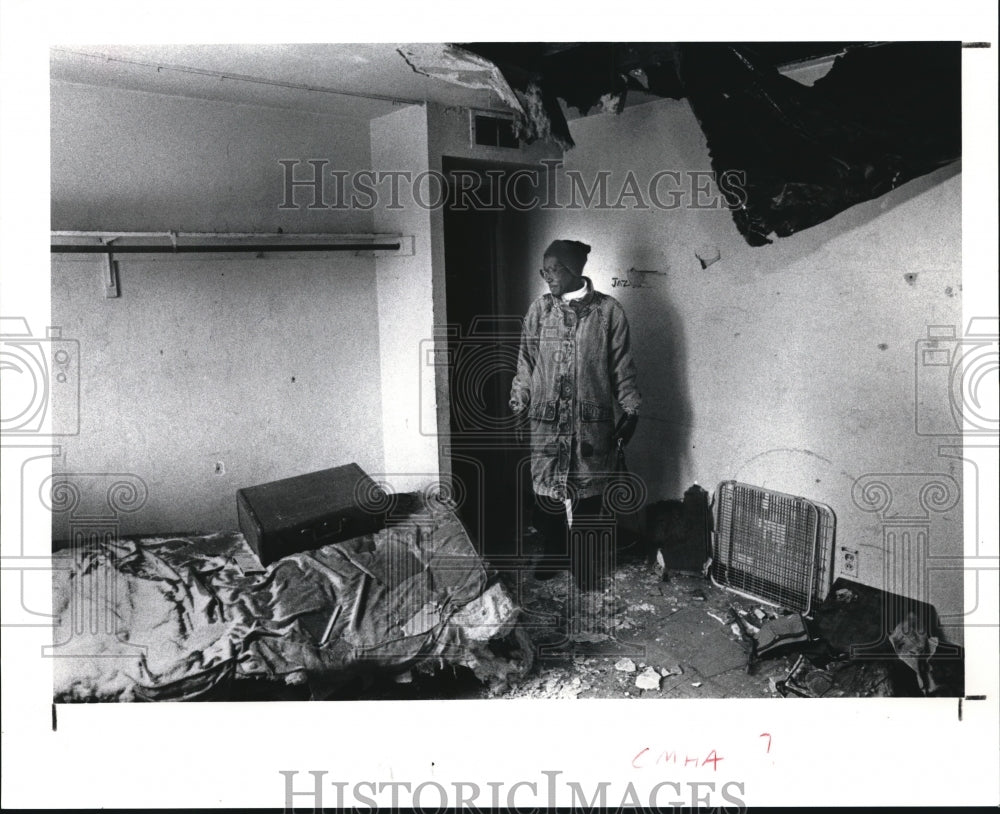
(178, 618)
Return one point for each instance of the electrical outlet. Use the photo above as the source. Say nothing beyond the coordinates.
(849, 562)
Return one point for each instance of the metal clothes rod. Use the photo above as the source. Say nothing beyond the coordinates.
(222, 75)
(173, 235)
(224, 248)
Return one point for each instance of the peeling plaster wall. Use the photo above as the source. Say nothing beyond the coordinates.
(209, 373)
(792, 366)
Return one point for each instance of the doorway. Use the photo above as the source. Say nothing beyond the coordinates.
(490, 282)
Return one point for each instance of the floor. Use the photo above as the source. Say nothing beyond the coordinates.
(647, 637)
(681, 628)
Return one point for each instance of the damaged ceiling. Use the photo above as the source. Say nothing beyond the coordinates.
(884, 113)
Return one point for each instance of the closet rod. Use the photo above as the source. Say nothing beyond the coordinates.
(173, 235)
(224, 248)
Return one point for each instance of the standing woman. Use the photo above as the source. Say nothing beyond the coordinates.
(574, 372)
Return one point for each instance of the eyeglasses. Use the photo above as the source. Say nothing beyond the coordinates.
(549, 274)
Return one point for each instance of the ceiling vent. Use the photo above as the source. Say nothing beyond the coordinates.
(490, 129)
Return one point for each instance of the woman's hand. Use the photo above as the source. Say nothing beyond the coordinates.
(625, 429)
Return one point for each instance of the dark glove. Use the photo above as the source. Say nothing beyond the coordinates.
(625, 429)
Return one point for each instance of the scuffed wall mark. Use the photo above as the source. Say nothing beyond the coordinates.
(788, 449)
(636, 278)
(727, 315)
(911, 278)
(857, 421)
(707, 255)
(883, 346)
(809, 452)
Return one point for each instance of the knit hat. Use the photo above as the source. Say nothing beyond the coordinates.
(571, 253)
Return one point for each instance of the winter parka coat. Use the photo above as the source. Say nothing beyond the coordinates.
(575, 374)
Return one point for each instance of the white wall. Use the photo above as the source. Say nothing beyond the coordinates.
(141, 161)
(405, 309)
(209, 373)
(790, 366)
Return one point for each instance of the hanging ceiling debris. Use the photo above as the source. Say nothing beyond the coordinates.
(459, 67)
(587, 76)
(884, 113)
(880, 117)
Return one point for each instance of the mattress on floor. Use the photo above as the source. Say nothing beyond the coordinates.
(183, 617)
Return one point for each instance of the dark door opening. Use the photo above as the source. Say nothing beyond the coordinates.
(489, 276)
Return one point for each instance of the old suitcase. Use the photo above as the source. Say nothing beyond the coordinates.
(309, 511)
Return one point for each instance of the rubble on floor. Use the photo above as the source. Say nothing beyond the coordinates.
(839, 679)
(686, 638)
(641, 637)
